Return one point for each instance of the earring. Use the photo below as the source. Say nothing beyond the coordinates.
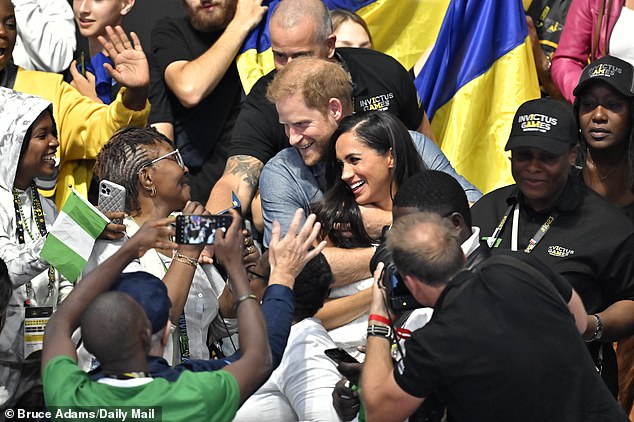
(152, 191)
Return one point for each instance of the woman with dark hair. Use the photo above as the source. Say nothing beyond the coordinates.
(369, 156)
(156, 179)
(604, 107)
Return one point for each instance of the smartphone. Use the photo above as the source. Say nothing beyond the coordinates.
(339, 355)
(200, 229)
(398, 295)
(111, 198)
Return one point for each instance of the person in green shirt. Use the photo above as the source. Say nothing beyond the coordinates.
(116, 330)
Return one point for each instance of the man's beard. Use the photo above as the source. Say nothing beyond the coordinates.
(215, 21)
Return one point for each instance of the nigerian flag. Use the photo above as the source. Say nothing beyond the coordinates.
(70, 240)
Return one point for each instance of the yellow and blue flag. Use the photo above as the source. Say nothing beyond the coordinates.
(479, 68)
(479, 71)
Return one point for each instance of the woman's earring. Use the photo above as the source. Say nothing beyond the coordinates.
(153, 191)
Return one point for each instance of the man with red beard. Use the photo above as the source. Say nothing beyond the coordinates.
(195, 85)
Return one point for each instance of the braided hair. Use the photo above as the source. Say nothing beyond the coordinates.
(121, 159)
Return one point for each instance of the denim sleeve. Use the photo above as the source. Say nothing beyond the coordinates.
(435, 159)
(282, 191)
(278, 307)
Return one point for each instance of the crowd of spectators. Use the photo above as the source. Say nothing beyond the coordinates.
(362, 277)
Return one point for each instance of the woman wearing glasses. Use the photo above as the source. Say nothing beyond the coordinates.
(156, 181)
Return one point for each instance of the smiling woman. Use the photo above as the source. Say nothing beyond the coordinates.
(28, 144)
(157, 184)
(369, 156)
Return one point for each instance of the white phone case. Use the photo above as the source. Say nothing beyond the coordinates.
(111, 197)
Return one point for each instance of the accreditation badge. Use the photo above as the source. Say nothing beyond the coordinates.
(35, 320)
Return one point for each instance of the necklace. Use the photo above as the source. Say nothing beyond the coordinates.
(21, 226)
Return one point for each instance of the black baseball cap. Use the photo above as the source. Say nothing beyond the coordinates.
(544, 123)
(150, 292)
(617, 73)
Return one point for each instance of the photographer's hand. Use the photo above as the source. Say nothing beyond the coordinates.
(378, 293)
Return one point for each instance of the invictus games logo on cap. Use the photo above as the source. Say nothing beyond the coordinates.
(536, 122)
(605, 70)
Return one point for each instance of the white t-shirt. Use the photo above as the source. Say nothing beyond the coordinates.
(621, 44)
(300, 389)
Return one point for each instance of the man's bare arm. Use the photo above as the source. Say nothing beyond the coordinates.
(341, 311)
(241, 176)
(349, 265)
(383, 398)
(192, 81)
(617, 319)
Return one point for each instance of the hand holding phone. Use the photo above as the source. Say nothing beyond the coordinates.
(111, 199)
(200, 229)
(339, 355)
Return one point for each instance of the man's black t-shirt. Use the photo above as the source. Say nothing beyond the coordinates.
(196, 129)
(502, 346)
(379, 83)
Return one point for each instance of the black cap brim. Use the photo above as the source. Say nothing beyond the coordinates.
(549, 145)
(583, 85)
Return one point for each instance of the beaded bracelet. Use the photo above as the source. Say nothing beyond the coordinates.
(242, 299)
(598, 332)
(185, 259)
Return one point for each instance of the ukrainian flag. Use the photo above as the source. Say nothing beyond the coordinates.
(479, 68)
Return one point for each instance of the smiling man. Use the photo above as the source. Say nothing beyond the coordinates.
(551, 214)
(196, 90)
(311, 96)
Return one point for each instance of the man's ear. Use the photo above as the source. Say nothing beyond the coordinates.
(330, 45)
(412, 283)
(335, 108)
(457, 220)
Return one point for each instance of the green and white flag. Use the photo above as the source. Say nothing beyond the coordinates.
(72, 237)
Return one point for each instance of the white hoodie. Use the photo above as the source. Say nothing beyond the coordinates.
(18, 112)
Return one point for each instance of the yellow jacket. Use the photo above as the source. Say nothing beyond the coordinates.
(83, 127)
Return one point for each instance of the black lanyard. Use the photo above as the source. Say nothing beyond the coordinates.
(537, 237)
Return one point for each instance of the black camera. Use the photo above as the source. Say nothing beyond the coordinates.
(399, 298)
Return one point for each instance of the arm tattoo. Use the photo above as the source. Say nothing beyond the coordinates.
(247, 166)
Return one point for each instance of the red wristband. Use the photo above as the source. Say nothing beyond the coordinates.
(379, 318)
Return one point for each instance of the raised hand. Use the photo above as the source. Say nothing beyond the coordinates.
(289, 255)
(193, 251)
(84, 84)
(249, 13)
(153, 234)
(228, 245)
(130, 64)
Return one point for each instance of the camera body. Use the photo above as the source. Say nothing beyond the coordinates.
(399, 298)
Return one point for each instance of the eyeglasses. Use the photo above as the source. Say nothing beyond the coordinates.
(252, 274)
(177, 158)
